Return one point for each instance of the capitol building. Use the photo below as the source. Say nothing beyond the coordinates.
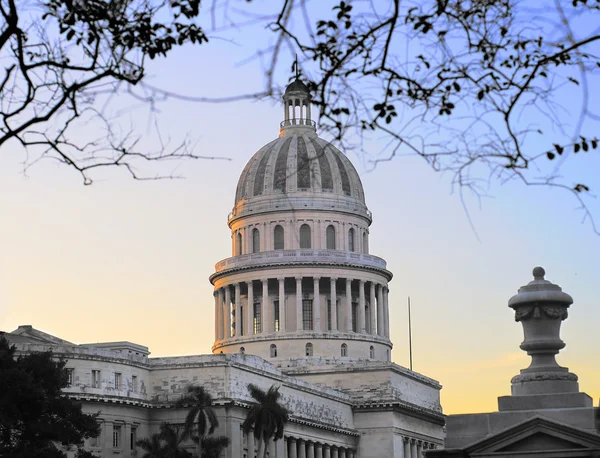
(301, 303)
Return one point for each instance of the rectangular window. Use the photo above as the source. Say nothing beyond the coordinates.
(354, 311)
(134, 383)
(96, 379)
(133, 438)
(116, 436)
(276, 315)
(257, 321)
(70, 376)
(117, 380)
(307, 314)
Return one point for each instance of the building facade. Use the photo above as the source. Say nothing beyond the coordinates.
(301, 304)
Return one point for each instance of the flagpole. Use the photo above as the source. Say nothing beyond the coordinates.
(410, 336)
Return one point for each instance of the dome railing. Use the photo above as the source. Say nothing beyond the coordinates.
(298, 122)
(300, 256)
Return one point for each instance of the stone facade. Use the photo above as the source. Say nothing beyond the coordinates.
(301, 304)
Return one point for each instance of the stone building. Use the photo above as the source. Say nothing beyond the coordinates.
(300, 304)
(546, 415)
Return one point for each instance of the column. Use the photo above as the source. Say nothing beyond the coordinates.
(282, 311)
(318, 451)
(250, 309)
(386, 311)
(406, 447)
(342, 453)
(333, 299)
(265, 307)
(216, 295)
(326, 451)
(316, 304)
(380, 320)
(419, 449)
(413, 448)
(349, 305)
(361, 307)
(221, 315)
(299, 326)
(334, 452)
(250, 443)
(301, 448)
(372, 308)
(271, 448)
(227, 313)
(310, 450)
(292, 448)
(238, 319)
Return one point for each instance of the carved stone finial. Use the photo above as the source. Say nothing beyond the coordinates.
(538, 273)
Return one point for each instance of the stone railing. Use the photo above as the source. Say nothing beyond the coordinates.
(297, 122)
(300, 256)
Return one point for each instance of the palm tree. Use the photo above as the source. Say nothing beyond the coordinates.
(152, 446)
(201, 414)
(266, 415)
(173, 436)
(212, 446)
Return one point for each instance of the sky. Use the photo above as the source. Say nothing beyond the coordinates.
(130, 260)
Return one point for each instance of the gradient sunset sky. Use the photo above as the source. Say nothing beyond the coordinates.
(130, 260)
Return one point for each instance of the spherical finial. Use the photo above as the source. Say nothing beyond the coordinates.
(538, 273)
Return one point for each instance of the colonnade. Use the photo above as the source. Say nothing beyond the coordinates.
(361, 306)
(414, 448)
(289, 106)
(300, 448)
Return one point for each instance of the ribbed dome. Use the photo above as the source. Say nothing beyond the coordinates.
(297, 165)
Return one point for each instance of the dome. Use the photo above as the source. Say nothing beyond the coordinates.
(300, 165)
(296, 86)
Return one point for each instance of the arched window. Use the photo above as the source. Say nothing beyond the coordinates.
(255, 241)
(239, 244)
(278, 238)
(351, 239)
(243, 350)
(365, 243)
(305, 241)
(372, 352)
(330, 236)
(309, 349)
(273, 351)
(344, 349)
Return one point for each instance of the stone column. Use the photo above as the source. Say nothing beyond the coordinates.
(238, 319)
(380, 321)
(326, 451)
(250, 443)
(216, 295)
(373, 308)
(334, 452)
(318, 451)
(250, 311)
(361, 307)
(227, 312)
(272, 450)
(282, 310)
(221, 314)
(310, 450)
(299, 325)
(342, 453)
(333, 299)
(349, 304)
(265, 307)
(413, 448)
(301, 448)
(386, 311)
(292, 453)
(406, 447)
(316, 304)
(419, 449)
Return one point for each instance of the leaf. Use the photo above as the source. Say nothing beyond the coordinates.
(594, 143)
(550, 155)
(576, 147)
(559, 149)
(480, 94)
(584, 146)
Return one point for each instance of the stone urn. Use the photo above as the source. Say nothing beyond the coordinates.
(540, 307)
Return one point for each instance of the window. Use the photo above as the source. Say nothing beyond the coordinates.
(305, 241)
(372, 352)
(344, 350)
(132, 438)
(96, 379)
(116, 436)
(134, 383)
(351, 239)
(239, 244)
(117, 380)
(255, 241)
(242, 350)
(330, 236)
(278, 238)
(309, 349)
(354, 311)
(257, 321)
(95, 441)
(365, 243)
(273, 351)
(70, 373)
(276, 315)
(307, 315)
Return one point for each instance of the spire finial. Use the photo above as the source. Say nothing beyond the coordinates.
(296, 67)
